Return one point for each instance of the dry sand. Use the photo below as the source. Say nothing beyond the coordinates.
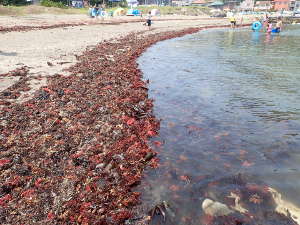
(47, 52)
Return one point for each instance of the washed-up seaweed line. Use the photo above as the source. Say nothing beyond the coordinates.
(106, 22)
(43, 27)
(72, 154)
(14, 92)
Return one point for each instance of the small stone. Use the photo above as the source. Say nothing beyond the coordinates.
(214, 208)
(119, 157)
(149, 156)
(100, 166)
(3, 123)
(63, 114)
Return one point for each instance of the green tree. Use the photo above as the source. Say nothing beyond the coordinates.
(13, 2)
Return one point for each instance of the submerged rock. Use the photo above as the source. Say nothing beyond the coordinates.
(214, 208)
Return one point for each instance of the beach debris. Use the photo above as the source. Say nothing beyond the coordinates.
(235, 198)
(161, 209)
(255, 198)
(21, 72)
(63, 62)
(50, 64)
(214, 208)
(285, 207)
(149, 156)
(237, 206)
(42, 27)
(14, 91)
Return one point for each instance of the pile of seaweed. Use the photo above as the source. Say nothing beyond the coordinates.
(43, 27)
(73, 152)
(14, 92)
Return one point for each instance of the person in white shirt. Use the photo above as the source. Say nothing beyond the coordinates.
(149, 21)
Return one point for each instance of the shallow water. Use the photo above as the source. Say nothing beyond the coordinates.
(8, 53)
(229, 105)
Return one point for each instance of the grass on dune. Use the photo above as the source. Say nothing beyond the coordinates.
(36, 9)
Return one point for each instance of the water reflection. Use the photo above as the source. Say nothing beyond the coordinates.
(256, 37)
(8, 53)
(269, 38)
(229, 104)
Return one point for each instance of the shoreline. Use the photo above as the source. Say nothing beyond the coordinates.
(92, 21)
(75, 150)
(48, 52)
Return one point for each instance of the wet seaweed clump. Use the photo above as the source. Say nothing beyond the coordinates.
(13, 92)
(43, 27)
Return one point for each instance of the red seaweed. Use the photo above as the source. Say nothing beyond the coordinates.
(73, 153)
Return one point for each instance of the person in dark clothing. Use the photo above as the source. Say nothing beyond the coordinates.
(97, 5)
(97, 9)
(149, 21)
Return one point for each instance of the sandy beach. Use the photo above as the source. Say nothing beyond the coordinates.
(37, 47)
(50, 51)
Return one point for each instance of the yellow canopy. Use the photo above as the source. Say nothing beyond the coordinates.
(119, 12)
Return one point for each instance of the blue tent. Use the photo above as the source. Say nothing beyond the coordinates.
(133, 12)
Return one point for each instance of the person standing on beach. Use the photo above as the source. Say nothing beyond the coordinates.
(232, 21)
(149, 20)
(242, 20)
(97, 9)
(266, 21)
(278, 26)
(102, 10)
(269, 27)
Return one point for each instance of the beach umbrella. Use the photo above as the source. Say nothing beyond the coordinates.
(119, 12)
(155, 12)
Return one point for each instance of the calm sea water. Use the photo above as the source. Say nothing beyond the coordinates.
(229, 105)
